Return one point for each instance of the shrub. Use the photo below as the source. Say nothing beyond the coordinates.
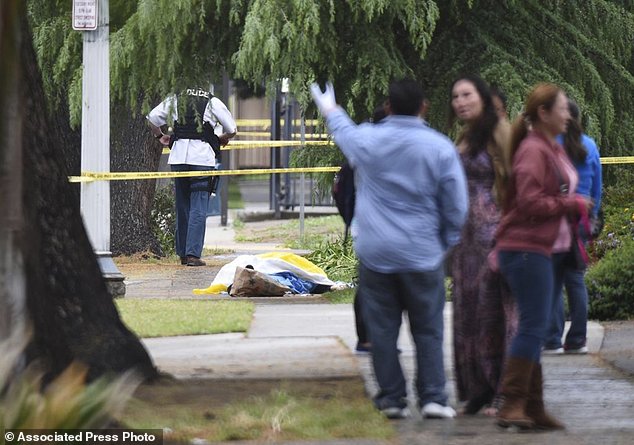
(618, 208)
(67, 402)
(610, 284)
(337, 259)
(163, 221)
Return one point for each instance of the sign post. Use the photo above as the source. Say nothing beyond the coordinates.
(92, 17)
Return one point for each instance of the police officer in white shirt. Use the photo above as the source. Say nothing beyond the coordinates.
(195, 145)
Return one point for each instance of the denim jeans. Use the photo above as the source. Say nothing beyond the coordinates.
(385, 298)
(573, 280)
(192, 200)
(530, 277)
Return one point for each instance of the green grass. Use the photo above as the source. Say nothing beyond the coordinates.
(159, 318)
(345, 296)
(281, 411)
(234, 196)
(316, 231)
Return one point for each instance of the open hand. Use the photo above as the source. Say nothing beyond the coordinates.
(325, 101)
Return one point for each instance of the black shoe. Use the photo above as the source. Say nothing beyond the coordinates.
(183, 261)
(194, 261)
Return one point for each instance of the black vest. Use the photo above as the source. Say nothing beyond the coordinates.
(191, 104)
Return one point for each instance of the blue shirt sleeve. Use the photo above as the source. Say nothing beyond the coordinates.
(453, 199)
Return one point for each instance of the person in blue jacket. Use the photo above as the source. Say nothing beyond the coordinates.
(584, 154)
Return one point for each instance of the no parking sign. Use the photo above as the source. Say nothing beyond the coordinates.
(85, 15)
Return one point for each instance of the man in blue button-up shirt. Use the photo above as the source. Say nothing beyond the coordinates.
(411, 203)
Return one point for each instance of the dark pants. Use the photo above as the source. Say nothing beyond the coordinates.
(385, 297)
(362, 336)
(192, 199)
(573, 280)
(530, 277)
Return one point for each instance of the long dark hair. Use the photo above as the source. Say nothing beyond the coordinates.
(479, 133)
(572, 137)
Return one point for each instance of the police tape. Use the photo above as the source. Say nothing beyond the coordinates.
(125, 176)
(267, 122)
(617, 160)
(241, 145)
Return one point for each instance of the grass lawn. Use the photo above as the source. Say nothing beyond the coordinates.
(235, 197)
(269, 411)
(286, 232)
(151, 317)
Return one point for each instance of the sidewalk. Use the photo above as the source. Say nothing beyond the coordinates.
(302, 337)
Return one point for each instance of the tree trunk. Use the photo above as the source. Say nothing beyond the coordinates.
(132, 149)
(73, 317)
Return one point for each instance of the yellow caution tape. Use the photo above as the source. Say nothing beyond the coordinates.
(125, 176)
(267, 122)
(618, 160)
(267, 134)
(240, 145)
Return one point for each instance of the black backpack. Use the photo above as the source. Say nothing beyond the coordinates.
(343, 193)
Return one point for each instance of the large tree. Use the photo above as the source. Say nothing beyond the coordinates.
(50, 282)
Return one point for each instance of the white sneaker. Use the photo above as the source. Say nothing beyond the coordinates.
(394, 412)
(581, 350)
(555, 351)
(435, 410)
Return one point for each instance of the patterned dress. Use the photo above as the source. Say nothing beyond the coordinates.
(484, 317)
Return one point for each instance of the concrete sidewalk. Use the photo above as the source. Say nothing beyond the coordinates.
(595, 401)
(304, 337)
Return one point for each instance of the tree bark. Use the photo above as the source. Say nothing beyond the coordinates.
(133, 149)
(73, 317)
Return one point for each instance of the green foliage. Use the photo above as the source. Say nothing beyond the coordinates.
(318, 156)
(67, 402)
(163, 219)
(337, 259)
(618, 208)
(532, 41)
(610, 284)
(342, 41)
(161, 46)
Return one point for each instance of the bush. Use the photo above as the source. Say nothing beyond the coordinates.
(618, 208)
(163, 220)
(337, 259)
(610, 284)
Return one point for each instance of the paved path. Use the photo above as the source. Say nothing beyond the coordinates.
(297, 340)
(304, 337)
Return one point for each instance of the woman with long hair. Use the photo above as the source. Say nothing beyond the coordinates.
(484, 318)
(536, 208)
(582, 151)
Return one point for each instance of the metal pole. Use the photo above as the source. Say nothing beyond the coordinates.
(301, 184)
(275, 156)
(95, 145)
(288, 135)
(224, 160)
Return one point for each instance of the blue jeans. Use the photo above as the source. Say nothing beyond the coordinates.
(385, 297)
(577, 293)
(530, 277)
(192, 199)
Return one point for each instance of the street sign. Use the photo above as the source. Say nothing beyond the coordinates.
(85, 15)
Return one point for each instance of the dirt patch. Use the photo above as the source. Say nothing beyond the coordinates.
(218, 393)
(243, 410)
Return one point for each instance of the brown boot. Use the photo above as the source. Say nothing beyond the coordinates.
(515, 385)
(535, 406)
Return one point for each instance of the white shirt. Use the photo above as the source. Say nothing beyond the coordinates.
(194, 151)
